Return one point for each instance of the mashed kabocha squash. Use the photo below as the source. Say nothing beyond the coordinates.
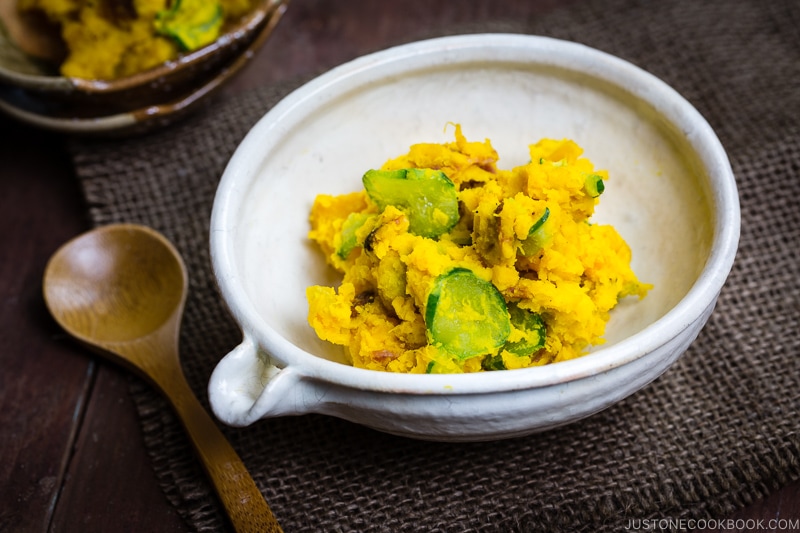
(110, 39)
(451, 264)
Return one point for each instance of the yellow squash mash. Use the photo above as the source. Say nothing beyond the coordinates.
(518, 277)
(109, 39)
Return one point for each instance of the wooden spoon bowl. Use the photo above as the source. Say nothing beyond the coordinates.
(115, 285)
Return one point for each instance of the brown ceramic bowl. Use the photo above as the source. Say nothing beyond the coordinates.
(32, 90)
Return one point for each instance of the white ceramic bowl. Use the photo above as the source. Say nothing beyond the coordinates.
(671, 195)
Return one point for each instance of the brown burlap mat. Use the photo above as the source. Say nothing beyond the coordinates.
(716, 432)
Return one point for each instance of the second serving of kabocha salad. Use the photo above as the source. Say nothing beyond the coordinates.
(107, 39)
(451, 264)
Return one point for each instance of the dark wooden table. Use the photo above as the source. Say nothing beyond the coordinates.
(71, 452)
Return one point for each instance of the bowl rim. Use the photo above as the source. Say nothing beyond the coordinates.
(466, 48)
(246, 26)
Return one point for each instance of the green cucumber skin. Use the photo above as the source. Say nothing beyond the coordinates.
(351, 225)
(188, 37)
(594, 185)
(531, 323)
(539, 223)
(468, 337)
(537, 235)
(419, 193)
(493, 362)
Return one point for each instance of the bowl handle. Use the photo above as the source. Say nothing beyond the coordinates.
(245, 387)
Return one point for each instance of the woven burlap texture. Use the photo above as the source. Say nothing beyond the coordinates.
(718, 431)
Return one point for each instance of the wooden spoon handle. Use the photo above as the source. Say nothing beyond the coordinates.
(243, 501)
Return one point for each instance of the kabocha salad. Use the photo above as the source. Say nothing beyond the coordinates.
(108, 40)
(453, 265)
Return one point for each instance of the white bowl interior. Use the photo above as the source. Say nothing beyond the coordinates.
(657, 196)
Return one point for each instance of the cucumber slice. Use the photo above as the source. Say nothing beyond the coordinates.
(465, 315)
(349, 241)
(191, 23)
(539, 235)
(427, 197)
(594, 185)
(493, 362)
(532, 325)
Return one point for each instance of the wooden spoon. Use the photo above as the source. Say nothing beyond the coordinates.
(120, 289)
